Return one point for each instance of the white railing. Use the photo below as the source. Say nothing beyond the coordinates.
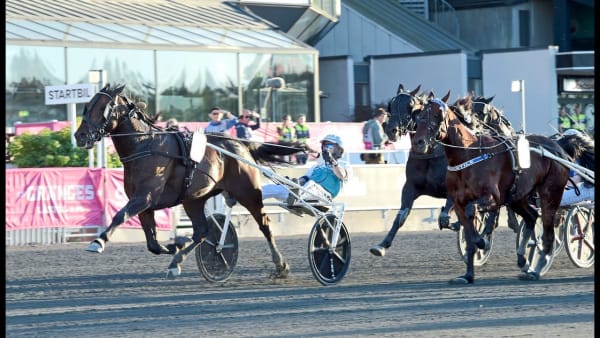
(23, 237)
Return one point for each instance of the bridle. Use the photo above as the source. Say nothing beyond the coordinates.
(406, 122)
(435, 131)
(97, 131)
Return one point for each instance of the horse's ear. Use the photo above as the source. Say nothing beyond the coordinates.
(445, 98)
(489, 99)
(400, 89)
(414, 92)
(431, 95)
(119, 89)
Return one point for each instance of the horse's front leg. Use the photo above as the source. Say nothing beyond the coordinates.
(149, 226)
(408, 198)
(133, 207)
(465, 216)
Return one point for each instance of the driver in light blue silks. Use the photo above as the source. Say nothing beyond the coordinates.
(324, 179)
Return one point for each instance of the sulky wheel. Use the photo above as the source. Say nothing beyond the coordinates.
(579, 236)
(481, 255)
(531, 248)
(217, 263)
(328, 265)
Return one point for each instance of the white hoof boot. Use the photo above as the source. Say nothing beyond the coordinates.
(96, 246)
(172, 273)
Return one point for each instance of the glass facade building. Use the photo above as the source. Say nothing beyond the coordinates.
(182, 59)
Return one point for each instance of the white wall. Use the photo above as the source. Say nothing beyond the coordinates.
(358, 36)
(336, 80)
(538, 69)
(437, 72)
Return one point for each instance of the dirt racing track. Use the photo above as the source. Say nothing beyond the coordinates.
(64, 291)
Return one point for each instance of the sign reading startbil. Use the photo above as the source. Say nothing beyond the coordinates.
(75, 93)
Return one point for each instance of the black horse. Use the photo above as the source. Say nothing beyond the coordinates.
(158, 173)
(425, 173)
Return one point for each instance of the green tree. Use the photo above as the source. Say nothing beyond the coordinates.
(51, 149)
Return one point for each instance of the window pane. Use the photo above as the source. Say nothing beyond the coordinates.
(28, 70)
(133, 68)
(190, 83)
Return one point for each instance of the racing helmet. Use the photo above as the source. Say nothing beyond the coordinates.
(338, 149)
(570, 132)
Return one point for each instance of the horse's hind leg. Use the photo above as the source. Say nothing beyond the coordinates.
(253, 203)
(149, 226)
(195, 211)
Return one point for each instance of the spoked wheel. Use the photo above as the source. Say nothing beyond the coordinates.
(217, 263)
(328, 264)
(579, 236)
(481, 255)
(531, 248)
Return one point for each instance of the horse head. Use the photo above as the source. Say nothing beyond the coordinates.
(492, 118)
(432, 124)
(402, 108)
(100, 115)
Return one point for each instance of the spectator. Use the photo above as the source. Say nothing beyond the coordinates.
(374, 137)
(303, 136)
(287, 133)
(217, 123)
(326, 178)
(564, 121)
(245, 126)
(580, 119)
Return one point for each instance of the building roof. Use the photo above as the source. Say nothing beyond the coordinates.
(413, 28)
(210, 24)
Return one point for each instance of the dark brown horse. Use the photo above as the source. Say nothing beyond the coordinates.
(158, 174)
(487, 173)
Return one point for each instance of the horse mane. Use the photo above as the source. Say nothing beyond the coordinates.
(579, 148)
(492, 121)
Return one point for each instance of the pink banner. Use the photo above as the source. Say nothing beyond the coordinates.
(116, 199)
(52, 197)
(68, 197)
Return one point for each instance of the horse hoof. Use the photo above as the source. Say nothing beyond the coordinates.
(486, 244)
(182, 241)
(173, 273)
(529, 276)
(281, 271)
(444, 222)
(461, 280)
(95, 246)
(377, 250)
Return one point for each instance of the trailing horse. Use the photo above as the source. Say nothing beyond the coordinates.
(158, 174)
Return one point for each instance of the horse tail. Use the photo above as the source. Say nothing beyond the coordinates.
(580, 148)
(272, 152)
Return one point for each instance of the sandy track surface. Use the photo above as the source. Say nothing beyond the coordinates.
(62, 291)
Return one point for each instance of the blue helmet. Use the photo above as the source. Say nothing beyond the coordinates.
(338, 141)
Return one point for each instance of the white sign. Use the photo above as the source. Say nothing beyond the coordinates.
(75, 93)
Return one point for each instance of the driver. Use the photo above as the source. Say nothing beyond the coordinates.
(326, 178)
